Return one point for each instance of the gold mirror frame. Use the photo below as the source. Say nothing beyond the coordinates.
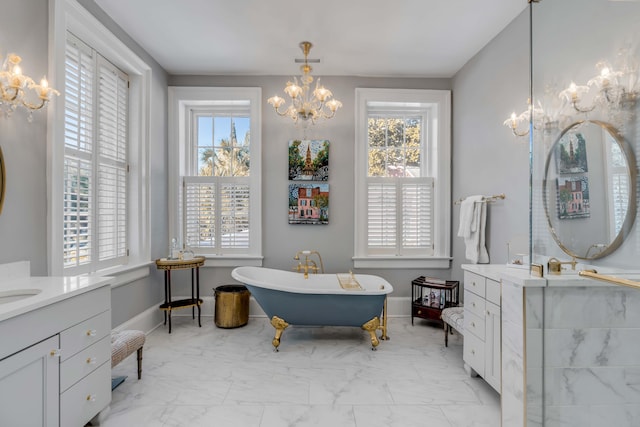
(631, 207)
(2, 180)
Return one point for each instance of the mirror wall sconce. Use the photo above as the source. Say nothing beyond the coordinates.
(19, 90)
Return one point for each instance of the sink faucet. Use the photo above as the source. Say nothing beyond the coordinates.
(309, 264)
(555, 265)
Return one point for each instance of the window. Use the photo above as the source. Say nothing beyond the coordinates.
(94, 227)
(216, 166)
(402, 190)
(97, 143)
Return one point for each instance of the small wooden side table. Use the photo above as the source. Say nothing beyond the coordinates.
(177, 264)
(428, 299)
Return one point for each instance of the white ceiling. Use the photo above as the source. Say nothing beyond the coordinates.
(402, 38)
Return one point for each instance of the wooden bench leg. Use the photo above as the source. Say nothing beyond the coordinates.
(139, 363)
(446, 334)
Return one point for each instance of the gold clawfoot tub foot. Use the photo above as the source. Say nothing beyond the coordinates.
(372, 326)
(280, 326)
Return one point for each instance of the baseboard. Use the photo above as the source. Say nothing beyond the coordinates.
(152, 318)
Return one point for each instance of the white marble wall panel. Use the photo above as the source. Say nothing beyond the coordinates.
(513, 385)
(592, 368)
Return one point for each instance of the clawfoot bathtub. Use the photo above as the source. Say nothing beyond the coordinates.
(320, 300)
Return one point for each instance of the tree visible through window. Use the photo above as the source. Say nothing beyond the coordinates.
(402, 183)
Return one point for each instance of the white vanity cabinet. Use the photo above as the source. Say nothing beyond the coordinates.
(29, 386)
(85, 375)
(55, 357)
(482, 339)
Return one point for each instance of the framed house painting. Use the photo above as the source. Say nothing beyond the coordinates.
(573, 197)
(309, 204)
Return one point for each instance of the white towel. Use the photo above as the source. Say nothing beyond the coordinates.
(467, 218)
(473, 218)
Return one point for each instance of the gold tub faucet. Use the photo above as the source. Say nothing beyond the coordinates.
(309, 264)
(555, 265)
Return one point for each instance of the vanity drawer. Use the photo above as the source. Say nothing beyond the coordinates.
(83, 363)
(84, 334)
(473, 353)
(86, 398)
(474, 283)
(474, 304)
(493, 291)
(475, 325)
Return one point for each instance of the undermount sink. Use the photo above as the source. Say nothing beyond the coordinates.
(17, 294)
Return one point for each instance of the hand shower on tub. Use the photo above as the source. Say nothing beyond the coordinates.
(309, 264)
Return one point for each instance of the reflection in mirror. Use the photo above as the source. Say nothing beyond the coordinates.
(589, 189)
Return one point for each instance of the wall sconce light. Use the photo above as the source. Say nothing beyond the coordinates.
(617, 94)
(19, 90)
(573, 95)
(514, 121)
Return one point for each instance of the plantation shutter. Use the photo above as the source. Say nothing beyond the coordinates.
(399, 215)
(95, 160)
(216, 212)
(417, 213)
(112, 162)
(79, 143)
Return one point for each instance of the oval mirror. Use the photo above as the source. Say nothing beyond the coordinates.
(589, 189)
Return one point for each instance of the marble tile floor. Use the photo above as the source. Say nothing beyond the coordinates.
(322, 376)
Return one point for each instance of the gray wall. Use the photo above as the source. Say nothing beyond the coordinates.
(487, 158)
(23, 226)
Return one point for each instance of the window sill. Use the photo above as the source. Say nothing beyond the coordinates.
(401, 262)
(123, 275)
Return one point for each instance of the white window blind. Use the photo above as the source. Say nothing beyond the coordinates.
(399, 215)
(216, 213)
(95, 160)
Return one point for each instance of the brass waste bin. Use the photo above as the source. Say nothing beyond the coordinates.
(232, 306)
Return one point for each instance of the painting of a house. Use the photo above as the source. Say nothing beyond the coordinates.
(573, 197)
(308, 203)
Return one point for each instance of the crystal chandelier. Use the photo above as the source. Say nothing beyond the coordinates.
(305, 104)
(19, 90)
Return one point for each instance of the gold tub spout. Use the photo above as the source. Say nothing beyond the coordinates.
(309, 264)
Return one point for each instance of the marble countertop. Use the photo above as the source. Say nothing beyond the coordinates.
(51, 290)
(522, 277)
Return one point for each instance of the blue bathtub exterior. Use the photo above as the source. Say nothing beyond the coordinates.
(318, 309)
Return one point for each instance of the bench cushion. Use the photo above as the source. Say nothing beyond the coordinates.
(124, 343)
(454, 316)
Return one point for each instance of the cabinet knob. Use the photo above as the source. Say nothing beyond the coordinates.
(91, 360)
(473, 352)
(91, 333)
(473, 283)
(91, 398)
(473, 324)
(473, 304)
(419, 311)
(55, 352)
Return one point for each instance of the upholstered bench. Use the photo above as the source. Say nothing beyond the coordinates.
(124, 343)
(453, 318)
